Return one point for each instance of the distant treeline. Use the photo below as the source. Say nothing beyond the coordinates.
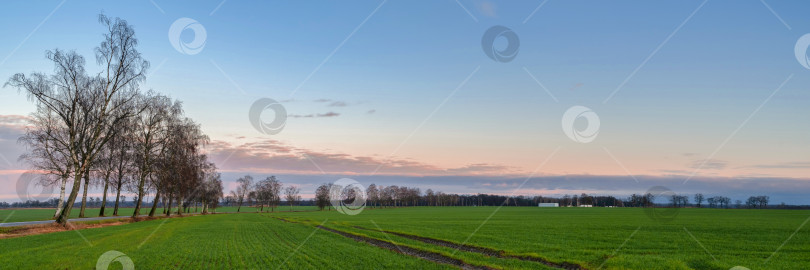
(400, 196)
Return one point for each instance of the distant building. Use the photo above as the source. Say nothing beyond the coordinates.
(548, 205)
(585, 205)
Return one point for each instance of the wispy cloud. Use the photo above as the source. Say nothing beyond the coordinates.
(328, 114)
(275, 156)
(338, 104)
(14, 121)
(709, 164)
(783, 165)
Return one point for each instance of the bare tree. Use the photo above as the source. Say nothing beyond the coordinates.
(267, 192)
(322, 196)
(242, 191)
(211, 188)
(120, 154)
(46, 154)
(275, 193)
(184, 165)
(106, 167)
(291, 194)
(374, 195)
(88, 107)
(150, 132)
(699, 199)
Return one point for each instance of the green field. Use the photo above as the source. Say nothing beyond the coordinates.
(588, 237)
(18, 215)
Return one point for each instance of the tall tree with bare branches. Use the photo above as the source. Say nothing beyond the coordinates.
(242, 190)
(88, 107)
(291, 194)
(46, 155)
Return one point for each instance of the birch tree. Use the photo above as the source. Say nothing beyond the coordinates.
(88, 107)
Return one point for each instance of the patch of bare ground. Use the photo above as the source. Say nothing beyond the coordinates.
(20, 231)
(481, 250)
(12, 232)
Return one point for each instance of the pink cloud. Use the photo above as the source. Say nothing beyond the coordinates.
(271, 156)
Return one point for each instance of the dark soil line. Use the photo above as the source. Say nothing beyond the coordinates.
(425, 255)
(481, 250)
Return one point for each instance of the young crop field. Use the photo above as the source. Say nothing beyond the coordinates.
(27, 214)
(437, 237)
(226, 241)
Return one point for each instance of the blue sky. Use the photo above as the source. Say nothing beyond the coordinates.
(394, 73)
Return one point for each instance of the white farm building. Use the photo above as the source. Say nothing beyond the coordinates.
(548, 205)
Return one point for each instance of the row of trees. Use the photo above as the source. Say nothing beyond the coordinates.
(263, 193)
(395, 196)
(646, 200)
(757, 201)
(101, 129)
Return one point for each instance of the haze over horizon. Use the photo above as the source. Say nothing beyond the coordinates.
(689, 95)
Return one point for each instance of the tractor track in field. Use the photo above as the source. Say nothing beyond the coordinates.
(480, 250)
(413, 252)
(425, 255)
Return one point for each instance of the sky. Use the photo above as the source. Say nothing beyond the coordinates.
(697, 96)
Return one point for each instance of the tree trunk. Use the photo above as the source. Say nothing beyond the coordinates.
(141, 182)
(154, 204)
(65, 214)
(119, 180)
(61, 197)
(180, 206)
(104, 197)
(117, 197)
(84, 196)
(169, 210)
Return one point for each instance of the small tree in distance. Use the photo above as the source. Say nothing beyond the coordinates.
(698, 199)
(242, 191)
(291, 194)
(322, 196)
